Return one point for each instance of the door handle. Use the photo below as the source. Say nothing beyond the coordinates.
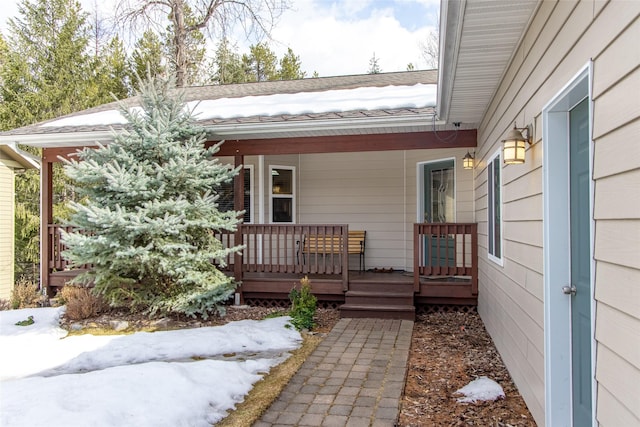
(569, 290)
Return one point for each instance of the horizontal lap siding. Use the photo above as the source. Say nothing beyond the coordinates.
(6, 231)
(616, 87)
(563, 36)
(363, 190)
(375, 192)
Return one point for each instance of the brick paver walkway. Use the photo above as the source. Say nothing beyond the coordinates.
(355, 377)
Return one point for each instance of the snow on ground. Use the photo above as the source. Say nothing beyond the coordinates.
(481, 389)
(170, 378)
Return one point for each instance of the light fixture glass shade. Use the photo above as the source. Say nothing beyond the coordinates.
(467, 161)
(514, 147)
(513, 152)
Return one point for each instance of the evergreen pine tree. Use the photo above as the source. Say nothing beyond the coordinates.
(374, 67)
(291, 67)
(147, 57)
(150, 212)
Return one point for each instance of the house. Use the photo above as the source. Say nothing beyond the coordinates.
(548, 245)
(321, 157)
(559, 235)
(12, 161)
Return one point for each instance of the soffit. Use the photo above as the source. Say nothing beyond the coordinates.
(478, 40)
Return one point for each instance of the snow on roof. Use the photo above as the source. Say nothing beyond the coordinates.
(362, 98)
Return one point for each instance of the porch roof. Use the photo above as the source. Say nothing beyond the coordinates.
(18, 158)
(329, 106)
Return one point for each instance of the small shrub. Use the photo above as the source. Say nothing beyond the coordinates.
(25, 294)
(81, 302)
(303, 305)
(4, 304)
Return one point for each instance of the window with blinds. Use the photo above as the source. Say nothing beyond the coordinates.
(225, 202)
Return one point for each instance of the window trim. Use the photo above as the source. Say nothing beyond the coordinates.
(291, 196)
(493, 162)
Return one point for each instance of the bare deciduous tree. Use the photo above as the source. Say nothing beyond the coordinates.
(257, 17)
(431, 46)
(101, 28)
(430, 49)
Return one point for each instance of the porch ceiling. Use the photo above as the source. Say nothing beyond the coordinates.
(478, 38)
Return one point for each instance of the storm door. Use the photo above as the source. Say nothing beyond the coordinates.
(439, 207)
(580, 287)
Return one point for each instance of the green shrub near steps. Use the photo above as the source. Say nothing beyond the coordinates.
(303, 306)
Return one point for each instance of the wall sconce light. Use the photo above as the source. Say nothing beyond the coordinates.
(467, 160)
(513, 145)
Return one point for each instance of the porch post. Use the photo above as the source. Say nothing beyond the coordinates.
(474, 258)
(46, 218)
(416, 257)
(238, 205)
(345, 257)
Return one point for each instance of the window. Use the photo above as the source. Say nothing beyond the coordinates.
(494, 208)
(225, 202)
(282, 194)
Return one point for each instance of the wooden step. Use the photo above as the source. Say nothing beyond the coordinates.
(378, 298)
(403, 312)
(369, 286)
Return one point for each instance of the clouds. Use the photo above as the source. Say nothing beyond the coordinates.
(339, 38)
(336, 37)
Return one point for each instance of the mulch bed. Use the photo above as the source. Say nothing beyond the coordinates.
(448, 350)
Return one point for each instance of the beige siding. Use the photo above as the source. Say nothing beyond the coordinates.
(372, 191)
(376, 192)
(6, 230)
(562, 38)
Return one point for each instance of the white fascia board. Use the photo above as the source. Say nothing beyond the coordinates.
(451, 22)
(265, 130)
(68, 139)
(21, 159)
(236, 130)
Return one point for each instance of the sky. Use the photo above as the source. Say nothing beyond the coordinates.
(187, 377)
(337, 37)
(169, 378)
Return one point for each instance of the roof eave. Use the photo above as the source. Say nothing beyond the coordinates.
(451, 18)
(243, 130)
(320, 127)
(25, 160)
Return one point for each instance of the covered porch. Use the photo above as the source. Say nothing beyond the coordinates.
(389, 169)
(445, 269)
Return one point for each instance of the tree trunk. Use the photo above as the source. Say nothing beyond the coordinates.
(179, 41)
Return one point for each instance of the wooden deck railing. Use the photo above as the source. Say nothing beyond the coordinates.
(276, 248)
(56, 247)
(445, 249)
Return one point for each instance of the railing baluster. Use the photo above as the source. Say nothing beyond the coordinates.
(445, 249)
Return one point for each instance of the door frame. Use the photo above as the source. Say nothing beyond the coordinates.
(557, 251)
(420, 187)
